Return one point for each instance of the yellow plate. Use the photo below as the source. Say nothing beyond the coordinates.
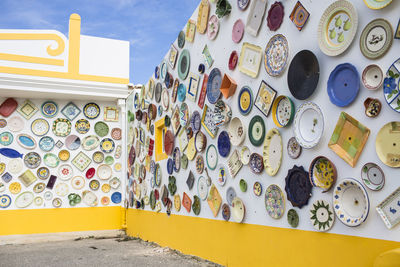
(105, 188)
(191, 149)
(15, 188)
(105, 201)
(63, 155)
(177, 202)
(387, 144)
(117, 167)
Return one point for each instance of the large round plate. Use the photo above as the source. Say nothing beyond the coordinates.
(387, 144)
(101, 128)
(257, 130)
(321, 215)
(183, 64)
(65, 172)
(303, 74)
(308, 124)
(274, 201)
(104, 172)
(61, 127)
(351, 203)
(337, 28)
(238, 210)
(213, 85)
(212, 157)
(107, 145)
(32, 160)
(90, 142)
(15, 124)
(202, 188)
(272, 152)
(391, 88)
(245, 100)
(40, 127)
(24, 199)
(49, 109)
(224, 144)
(276, 55)
(343, 84)
(376, 39)
(72, 142)
(91, 110)
(372, 176)
(82, 126)
(236, 132)
(377, 4)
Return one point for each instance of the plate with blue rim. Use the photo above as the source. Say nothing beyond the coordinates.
(343, 84)
(213, 85)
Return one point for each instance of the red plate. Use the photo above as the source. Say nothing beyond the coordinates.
(116, 133)
(168, 142)
(156, 194)
(90, 173)
(233, 59)
(275, 16)
(8, 107)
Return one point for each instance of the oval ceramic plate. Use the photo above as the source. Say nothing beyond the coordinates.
(82, 126)
(237, 31)
(165, 99)
(15, 124)
(224, 144)
(245, 100)
(202, 188)
(213, 85)
(308, 125)
(61, 127)
(321, 215)
(276, 55)
(256, 130)
(39, 187)
(176, 159)
(46, 143)
(372, 176)
(272, 152)
(212, 157)
(343, 84)
(101, 128)
(337, 28)
(51, 160)
(230, 195)
(293, 148)
(183, 64)
(245, 155)
(104, 172)
(213, 27)
(65, 172)
(90, 142)
(377, 4)
(376, 38)
(274, 201)
(91, 110)
(26, 141)
(49, 109)
(24, 199)
(351, 203)
(282, 111)
(238, 210)
(181, 39)
(236, 131)
(40, 127)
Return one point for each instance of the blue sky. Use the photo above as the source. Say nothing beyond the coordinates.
(150, 25)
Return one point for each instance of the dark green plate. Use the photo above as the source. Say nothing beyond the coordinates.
(257, 130)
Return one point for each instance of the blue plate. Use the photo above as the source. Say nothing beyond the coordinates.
(116, 197)
(224, 144)
(5, 201)
(343, 84)
(181, 92)
(213, 86)
(170, 166)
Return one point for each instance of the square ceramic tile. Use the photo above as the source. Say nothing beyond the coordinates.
(71, 111)
(27, 109)
(6, 177)
(81, 161)
(110, 114)
(299, 16)
(59, 144)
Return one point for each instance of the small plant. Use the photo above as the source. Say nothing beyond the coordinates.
(223, 8)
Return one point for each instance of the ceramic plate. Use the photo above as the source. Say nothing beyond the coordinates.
(343, 84)
(322, 173)
(274, 201)
(27, 109)
(377, 4)
(62, 189)
(91, 110)
(24, 199)
(51, 160)
(387, 144)
(202, 187)
(63, 155)
(299, 15)
(72, 142)
(245, 155)
(213, 85)
(256, 163)
(94, 185)
(15, 188)
(256, 130)
(90, 142)
(351, 203)
(222, 175)
(275, 16)
(237, 31)
(107, 145)
(184, 115)
(234, 163)
(46, 143)
(250, 59)
(49, 109)
(176, 156)
(71, 111)
(78, 182)
(43, 173)
(349, 138)
(337, 28)
(65, 172)
(255, 16)
(183, 64)
(213, 27)
(222, 113)
(226, 212)
(388, 208)
(212, 157)
(89, 198)
(372, 77)
(26, 141)
(282, 111)
(238, 210)
(101, 128)
(372, 176)
(391, 89)
(81, 161)
(224, 144)
(116, 133)
(321, 215)
(61, 127)
(376, 38)
(276, 55)
(104, 172)
(298, 187)
(15, 166)
(236, 132)
(32, 160)
(181, 41)
(272, 152)
(3, 123)
(15, 124)
(308, 124)
(233, 59)
(242, 4)
(6, 138)
(40, 127)
(8, 107)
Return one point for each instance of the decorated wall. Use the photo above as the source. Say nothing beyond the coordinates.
(277, 116)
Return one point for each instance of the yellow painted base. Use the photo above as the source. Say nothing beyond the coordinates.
(38, 221)
(233, 244)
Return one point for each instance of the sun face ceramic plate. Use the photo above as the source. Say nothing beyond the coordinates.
(388, 208)
(343, 85)
(282, 111)
(61, 127)
(321, 215)
(376, 38)
(238, 210)
(90, 142)
(212, 157)
(337, 28)
(256, 130)
(15, 124)
(24, 200)
(272, 152)
(71, 111)
(91, 110)
(308, 124)
(49, 109)
(372, 176)
(183, 64)
(236, 132)
(377, 4)
(387, 144)
(274, 201)
(351, 202)
(348, 138)
(276, 55)
(213, 85)
(40, 127)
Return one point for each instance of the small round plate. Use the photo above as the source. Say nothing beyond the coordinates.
(236, 131)
(321, 215)
(343, 85)
(91, 111)
(104, 172)
(213, 27)
(3, 123)
(46, 143)
(15, 124)
(293, 148)
(157, 92)
(376, 38)
(372, 77)
(256, 131)
(116, 133)
(237, 31)
(177, 159)
(243, 185)
(245, 100)
(308, 124)
(6, 138)
(43, 173)
(116, 197)
(89, 198)
(282, 111)
(78, 182)
(202, 188)
(5, 201)
(181, 92)
(257, 189)
(107, 145)
(274, 201)
(372, 176)
(15, 188)
(245, 155)
(222, 175)
(72, 142)
(181, 40)
(40, 127)
(224, 144)
(101, 128)
(15, 165)
(233, 59)
(230, 195)
(195, 121)
(212, 157)
(65, 172)
(256, 163)
(94, 185)
(62, 189)
(213, 85)
(98, 157)
(49, 109)
(199, 164)
(82, 126)
(109, 160)
(32, 160)
(226, 212)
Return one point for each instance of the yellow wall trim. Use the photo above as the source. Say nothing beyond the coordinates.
(233, 244)
(38, 221)
(28, 59)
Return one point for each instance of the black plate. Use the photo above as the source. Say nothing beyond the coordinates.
(303, 74)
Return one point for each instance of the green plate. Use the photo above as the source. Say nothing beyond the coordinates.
(101, 128)
(183, 64)
(196, 206)
(257, 131)
(109, 160)
(184, 161)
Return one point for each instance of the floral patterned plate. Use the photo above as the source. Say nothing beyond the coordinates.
(274, 201)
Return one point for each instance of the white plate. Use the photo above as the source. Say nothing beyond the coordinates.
(237, 132)
(78, 182)
(62, 189)
(245, 155)
(104, 172)
(272, 152)
(308, 124)
(65, 172)
(202, 188)
(15, 124)
(24, 199)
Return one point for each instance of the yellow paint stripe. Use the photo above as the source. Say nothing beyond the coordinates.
(63, 75)
(233, 244)
(37, 221)
(29, 59)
